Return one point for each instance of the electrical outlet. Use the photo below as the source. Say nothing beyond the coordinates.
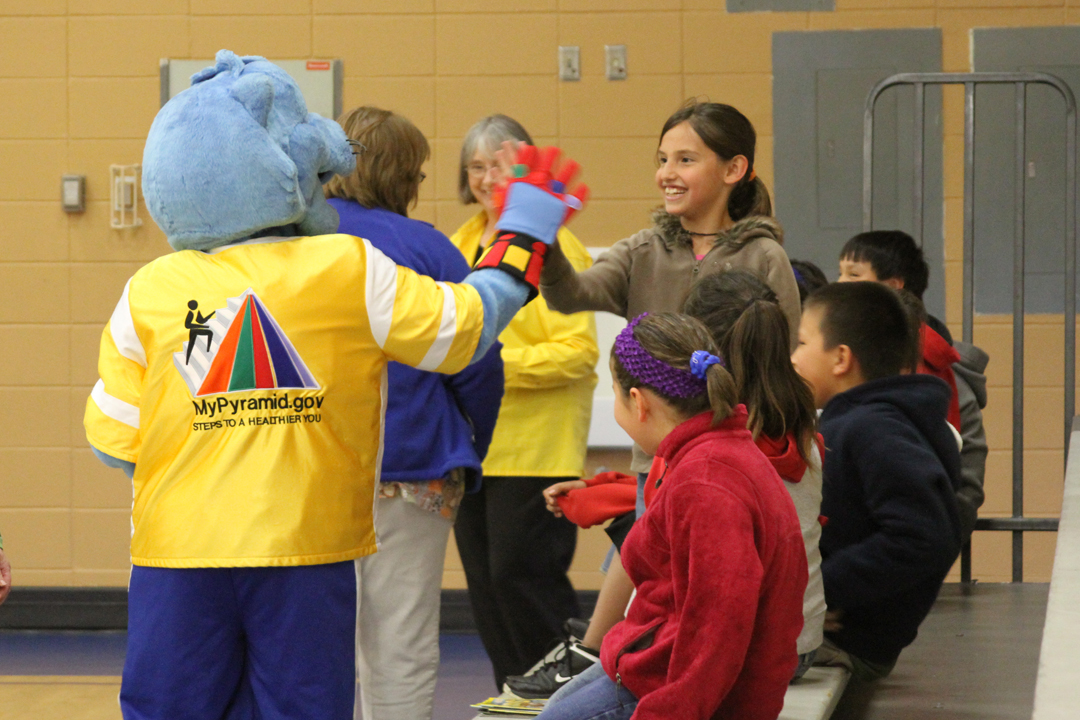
(569, 62)
(615, 57)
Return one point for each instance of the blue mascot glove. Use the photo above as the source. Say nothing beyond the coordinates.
(533, 208)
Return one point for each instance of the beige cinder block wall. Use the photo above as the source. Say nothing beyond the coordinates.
(79, 80)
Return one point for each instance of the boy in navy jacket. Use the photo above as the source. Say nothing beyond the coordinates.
(891, 471)
(892, 257)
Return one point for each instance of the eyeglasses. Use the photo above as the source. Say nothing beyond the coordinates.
(359, 148)
(478, 169)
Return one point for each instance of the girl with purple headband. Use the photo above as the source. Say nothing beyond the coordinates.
(717, 562)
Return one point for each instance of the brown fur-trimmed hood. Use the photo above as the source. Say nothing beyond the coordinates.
(749, 228)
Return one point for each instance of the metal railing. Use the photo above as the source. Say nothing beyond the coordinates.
(1017, 524)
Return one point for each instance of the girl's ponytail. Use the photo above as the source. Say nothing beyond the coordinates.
(748, 198)
(751, 330)
(723, 393)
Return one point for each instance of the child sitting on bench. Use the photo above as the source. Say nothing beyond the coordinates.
(891, 471)
(717, 561)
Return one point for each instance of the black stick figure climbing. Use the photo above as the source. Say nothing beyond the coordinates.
(195, 323)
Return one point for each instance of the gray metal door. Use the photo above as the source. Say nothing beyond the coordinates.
(820, 83)
(1051, 50)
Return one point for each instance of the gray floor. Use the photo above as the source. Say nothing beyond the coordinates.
(976, 657)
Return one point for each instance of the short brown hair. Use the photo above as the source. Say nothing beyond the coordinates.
(388, 166)
(872, 320)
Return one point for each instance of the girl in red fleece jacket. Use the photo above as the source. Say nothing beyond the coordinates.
(717, 561)
(745, 320)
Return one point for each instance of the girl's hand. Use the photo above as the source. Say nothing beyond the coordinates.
(561, 488)
(832, 620)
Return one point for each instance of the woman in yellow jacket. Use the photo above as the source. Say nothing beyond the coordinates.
(514, 552)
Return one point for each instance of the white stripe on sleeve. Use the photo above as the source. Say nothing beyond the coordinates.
(113, 407)
(380, 287)
(122, 327)
(447, 330)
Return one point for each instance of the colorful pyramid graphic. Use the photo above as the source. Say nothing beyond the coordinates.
(251, 353)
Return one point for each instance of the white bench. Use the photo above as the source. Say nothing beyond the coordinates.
(1059, 674)
(813, 697)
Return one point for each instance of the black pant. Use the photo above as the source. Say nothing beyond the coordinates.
(516, 554)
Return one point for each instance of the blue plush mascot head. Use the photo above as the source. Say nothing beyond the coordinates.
(237, 155)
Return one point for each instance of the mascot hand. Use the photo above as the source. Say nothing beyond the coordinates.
(535, 202)
(534, 206)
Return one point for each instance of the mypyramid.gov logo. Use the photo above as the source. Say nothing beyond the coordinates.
(239, 347)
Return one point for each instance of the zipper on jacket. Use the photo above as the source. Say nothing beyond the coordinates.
(641, 641)
(699, 263)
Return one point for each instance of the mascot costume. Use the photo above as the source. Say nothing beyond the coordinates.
(243, 385)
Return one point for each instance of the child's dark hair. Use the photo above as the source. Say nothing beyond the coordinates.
(892, 254)
(808, 277)
(672, 339)
(744, 317)
(727, 132)
(917, 317)
(870, 318)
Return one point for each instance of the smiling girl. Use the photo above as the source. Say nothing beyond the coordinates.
(716, 216)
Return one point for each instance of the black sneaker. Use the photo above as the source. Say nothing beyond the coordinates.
(553, 675)
(576, 628)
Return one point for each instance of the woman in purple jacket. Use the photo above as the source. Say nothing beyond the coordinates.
(437, 431)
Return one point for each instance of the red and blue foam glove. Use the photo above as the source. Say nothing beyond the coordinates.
(534, 201)
(534, 206)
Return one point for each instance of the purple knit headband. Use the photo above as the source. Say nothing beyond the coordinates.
(671, 381)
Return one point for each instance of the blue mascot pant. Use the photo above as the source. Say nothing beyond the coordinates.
(241, 643)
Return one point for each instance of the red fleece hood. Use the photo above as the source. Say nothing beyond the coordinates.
(938, 357)
(784, 455)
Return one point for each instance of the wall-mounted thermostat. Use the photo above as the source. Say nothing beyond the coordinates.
(73, 193)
